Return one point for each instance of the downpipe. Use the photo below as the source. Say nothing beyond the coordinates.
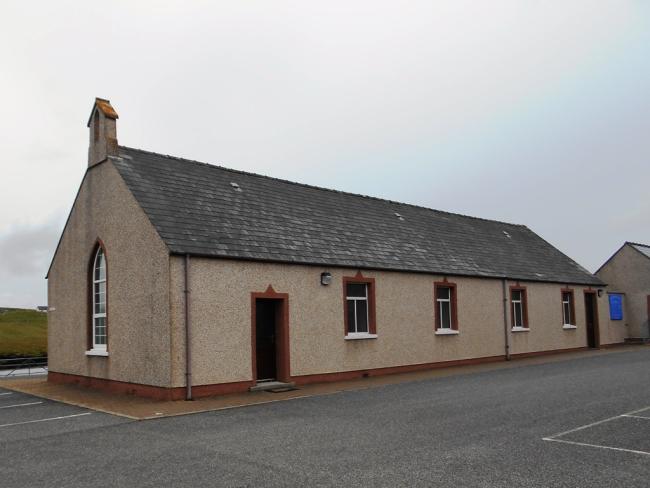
(505, 319)
(188, 332)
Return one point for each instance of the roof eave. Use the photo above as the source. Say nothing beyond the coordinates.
(597, 282)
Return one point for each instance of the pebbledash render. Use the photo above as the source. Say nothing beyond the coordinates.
(175, 278)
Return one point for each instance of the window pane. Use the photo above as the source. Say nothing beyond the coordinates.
(356, 290)
(519, 322)
(99, 299)
(516, 295)
(445, 315)
(350, 312)
(100, 330)
(567, 313)
(100, 289)
(362, 316)
(444, 293)
(100, 266)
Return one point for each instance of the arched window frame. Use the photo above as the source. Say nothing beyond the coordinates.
(98, 303)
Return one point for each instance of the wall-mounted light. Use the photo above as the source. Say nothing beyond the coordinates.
(600, 293)
(325, 278)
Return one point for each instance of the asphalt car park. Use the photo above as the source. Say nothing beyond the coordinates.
(579, 422)
(24, 417)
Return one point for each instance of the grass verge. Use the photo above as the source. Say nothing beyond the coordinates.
(23, 333)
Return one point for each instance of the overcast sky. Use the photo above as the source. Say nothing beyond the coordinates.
(530, 112)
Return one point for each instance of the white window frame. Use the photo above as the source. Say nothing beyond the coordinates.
(348, 299)
(440, 302)
(519, 303)
(99, 349)
(567, 303)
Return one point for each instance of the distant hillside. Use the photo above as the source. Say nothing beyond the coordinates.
(23, 333)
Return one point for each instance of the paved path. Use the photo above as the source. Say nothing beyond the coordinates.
(13, 373)
(582, 422)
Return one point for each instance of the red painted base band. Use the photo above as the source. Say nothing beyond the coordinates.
(148, 391)
(178, 393)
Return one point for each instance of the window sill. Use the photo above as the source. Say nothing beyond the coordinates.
(97, 352)
(359, 335)
(520, 329)
(569, 327)
(446, 332)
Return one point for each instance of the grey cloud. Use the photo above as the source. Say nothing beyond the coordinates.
(25, 254)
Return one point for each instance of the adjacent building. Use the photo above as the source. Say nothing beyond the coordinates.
(628, 274)
(175, 278)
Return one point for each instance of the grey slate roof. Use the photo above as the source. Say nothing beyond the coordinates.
(642, 248)
(196, 210)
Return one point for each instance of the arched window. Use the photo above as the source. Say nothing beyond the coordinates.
(99, 301)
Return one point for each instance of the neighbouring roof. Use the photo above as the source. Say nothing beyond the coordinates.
(642, 248)
(207, 210)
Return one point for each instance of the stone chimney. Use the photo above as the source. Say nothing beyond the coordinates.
(103, 132)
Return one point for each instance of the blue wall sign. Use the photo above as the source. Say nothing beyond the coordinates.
(616, 307)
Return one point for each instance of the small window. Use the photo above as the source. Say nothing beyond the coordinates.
(519, 308)
(99, 302)
(568, 308)
(357, 308)
(359, 297)
(445, 303)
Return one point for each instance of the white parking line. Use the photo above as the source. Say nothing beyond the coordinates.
(636, 416)
(596, 423)
(596, 445)
(8, 393)
(554, 437)
(21, 405)
(46, 420)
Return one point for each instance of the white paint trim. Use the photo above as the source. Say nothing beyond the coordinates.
(443, 331)
(352, 336)
(569, 327)
(21, 405)
(597, 446)
(97, 352)
(45, 420)
(520, 329)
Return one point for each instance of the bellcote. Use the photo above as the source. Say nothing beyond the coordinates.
(103, 132)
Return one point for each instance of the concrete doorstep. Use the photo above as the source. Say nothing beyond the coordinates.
(138, 408)
(273, 386)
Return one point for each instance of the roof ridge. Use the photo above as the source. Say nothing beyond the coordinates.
(637, 244)
(306, 185)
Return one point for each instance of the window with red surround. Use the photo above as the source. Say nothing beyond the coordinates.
(445, 300)
(519, 307)
(568, 307)
(359, 306)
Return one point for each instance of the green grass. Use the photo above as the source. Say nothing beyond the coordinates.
(23, 333)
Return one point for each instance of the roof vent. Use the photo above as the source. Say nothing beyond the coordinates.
(507, 235)
(399, 216)
(235, 186)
